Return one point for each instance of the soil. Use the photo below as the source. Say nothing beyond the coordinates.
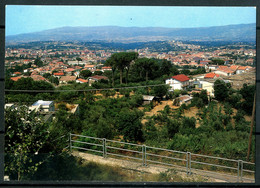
(137, 166)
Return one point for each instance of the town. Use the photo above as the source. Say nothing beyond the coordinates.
(184, 96)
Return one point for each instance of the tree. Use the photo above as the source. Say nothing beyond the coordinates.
(129, 124)
(204, 96)
(98, 73)
(123, 61)
(78, 59)
(38, 62)
(85, 74)
(111, 62)
(248, 94)
(147, 66)
(46, 75)
(160, 91)
(25, 136)
(220, 90)
(165, 67)
(217, 61)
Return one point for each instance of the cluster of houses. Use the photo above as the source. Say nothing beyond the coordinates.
(205, 82)
(61, 71)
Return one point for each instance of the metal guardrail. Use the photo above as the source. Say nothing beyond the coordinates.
(185, 161)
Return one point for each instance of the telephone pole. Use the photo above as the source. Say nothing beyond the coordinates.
(251, 130)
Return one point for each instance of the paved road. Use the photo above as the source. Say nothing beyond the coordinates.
(155, 169)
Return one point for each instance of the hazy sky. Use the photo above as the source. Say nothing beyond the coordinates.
(25, 19)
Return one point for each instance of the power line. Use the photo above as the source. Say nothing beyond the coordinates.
(84, 90)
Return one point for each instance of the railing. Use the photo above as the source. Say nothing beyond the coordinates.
(236, 170)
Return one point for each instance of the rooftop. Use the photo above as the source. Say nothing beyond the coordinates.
(41, 102)
(181, 78)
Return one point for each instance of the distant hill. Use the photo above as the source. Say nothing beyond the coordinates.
(237, 33)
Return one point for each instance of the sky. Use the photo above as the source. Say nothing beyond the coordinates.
(25, 19)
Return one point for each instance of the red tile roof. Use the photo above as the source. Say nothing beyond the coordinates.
(82, 80)
(181, 78)
(97, 77)
(211, 75)
(58, 73)
(106, 67)
(234, 67)
(17, 73)
(15, 78)
(38, 78)
(242, 68)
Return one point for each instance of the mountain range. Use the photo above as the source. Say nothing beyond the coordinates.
(236, 33)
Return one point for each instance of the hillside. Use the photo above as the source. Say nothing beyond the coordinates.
(241, 32)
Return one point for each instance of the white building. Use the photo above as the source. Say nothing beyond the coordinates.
(43, 106)
(179, 82)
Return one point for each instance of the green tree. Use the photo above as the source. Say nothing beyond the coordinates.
(146, 66)
(123, 61)
(160, 91)
(217, 62)
(25, 136)
(129, 124)
(220, 90)
(204, 96)
(38, 62)
(165, 67)
(247, 92)
(85, 74)
(78, 59)
(111, 62)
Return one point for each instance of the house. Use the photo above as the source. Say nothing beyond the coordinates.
(147, 99)
(69, 71)
(212, 67)
(81, 81)
(42, 106)
(38, 78)
(225, 70)
(250, 61)
(211, 75)
(204, 62)
(95, 78)
(58, 74)
(106, 69)
(184, 99)
(66, 79)
(241, 69)
(180, 81)
(90, 67)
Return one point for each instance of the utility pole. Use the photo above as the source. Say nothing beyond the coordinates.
(251, 130)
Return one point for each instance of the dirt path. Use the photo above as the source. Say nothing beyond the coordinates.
(137, 166)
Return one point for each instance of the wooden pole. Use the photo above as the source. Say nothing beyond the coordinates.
(251, 130)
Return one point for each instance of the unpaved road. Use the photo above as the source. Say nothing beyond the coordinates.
(154, 169)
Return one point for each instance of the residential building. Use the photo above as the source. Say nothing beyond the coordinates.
(43, 106)
(180, 81)
(66, 79)
(211, 75)
(81, 81)
(184, 99)
(95, 78)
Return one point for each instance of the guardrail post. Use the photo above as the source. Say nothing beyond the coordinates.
(70, 141)
(189, 153)
(238, 170)
(241, 177)
(104, 147)
(144, 155)
(187, 162)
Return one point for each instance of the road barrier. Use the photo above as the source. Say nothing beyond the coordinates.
(238, 170)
